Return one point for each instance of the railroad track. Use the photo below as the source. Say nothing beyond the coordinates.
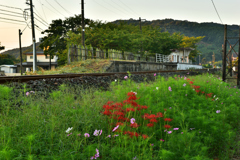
(20, 79)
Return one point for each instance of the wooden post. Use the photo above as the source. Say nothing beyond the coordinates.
(230, 59)
(224, 54)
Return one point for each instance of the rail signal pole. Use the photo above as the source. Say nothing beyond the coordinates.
(33, 36)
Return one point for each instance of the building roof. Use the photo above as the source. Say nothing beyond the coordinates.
(9, 66)
(30, 64)
(37, 52)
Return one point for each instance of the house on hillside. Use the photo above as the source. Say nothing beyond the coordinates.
(42, 61)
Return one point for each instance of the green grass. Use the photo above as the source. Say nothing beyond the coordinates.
(38, 131)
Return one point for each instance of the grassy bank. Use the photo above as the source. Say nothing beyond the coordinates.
(183, 118)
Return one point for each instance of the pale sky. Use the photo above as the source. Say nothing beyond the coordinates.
(109, 10)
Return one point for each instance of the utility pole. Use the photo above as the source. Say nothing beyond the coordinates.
(83, 24)
(33, 37)
(20, 48)
(224, 54)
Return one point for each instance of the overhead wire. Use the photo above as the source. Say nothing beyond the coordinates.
(41, 22)
(41, 18)
(63, 8)
(12, 19)
(121, 7)
(10, 7)
(11, 15)
(128, 8)
(106, 7)
(43, 10)
(55, 8)
(217, 12)
(11, 11)
(115, 7)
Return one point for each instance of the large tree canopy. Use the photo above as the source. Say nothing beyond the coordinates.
(55, 36)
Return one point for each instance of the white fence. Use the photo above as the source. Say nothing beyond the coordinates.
(162, 58)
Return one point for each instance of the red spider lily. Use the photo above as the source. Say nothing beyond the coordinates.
(144, 107)
(152, 116)
(144, 136)
(118, 113)
(121, 118)
(107, 112)
(119, 123)
(150, 124)
(197, 91)
(134, 104)
(209, 95)
(159, 114)
(165, 109)
(212, 99)
(134, 125)
(153, 120)
(108, 107)
(109, 102)
(188, 79)
(132, 98)
(145, 116)
(168, 119)
(191, 82)
(203, 92)
(131, 94)
(167, 126)
(130, 109)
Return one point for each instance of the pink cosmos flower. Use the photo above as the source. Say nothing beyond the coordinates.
(169, 132)
(161, 140)
(155, 74)
(184, 84)
(97, 132)
(125, 77)
(114, 129)
(175, 129)
(86, 135)
(185, 78)
(132, 120)
(96, 155)
(169, 88)
(27, 93)
(218, 111)
(109, 136)
(181, 132)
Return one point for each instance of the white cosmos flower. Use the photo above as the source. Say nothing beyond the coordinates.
(69, 129)
(156, 88)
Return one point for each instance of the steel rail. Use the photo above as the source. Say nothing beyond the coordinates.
(20, 79)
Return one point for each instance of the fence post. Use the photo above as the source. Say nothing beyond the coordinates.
(68, 57)
(79, 53)
(83, 53)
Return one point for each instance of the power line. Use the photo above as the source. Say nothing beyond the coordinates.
(115, 8)
(63, 7)
(129, 8)
(10, 7)
(43, 11)
(11, 15)
(10, 11)
(217, 11)
(121, 7)
(41, 22)
(50, 9)
(12, 20)
(106, 7)
(41, 19)
(55, 8)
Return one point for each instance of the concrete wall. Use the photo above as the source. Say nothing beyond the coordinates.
(123, 66)
(8, 69)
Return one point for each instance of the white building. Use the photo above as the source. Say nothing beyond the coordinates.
(179, 56)
(8, 68)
